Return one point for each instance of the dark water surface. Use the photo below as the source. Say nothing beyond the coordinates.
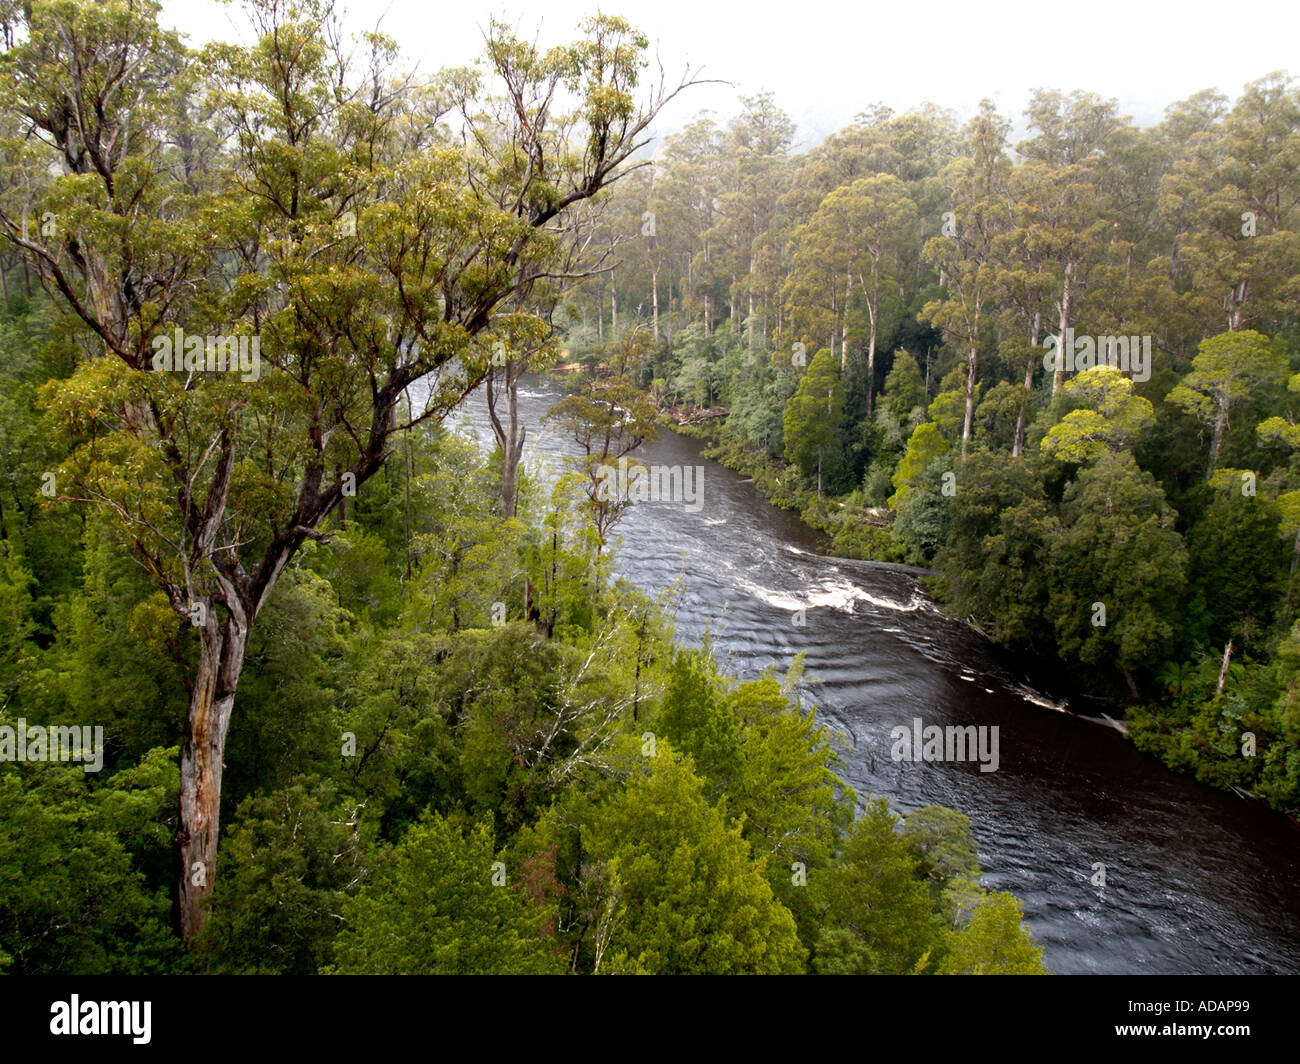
(1197, 881)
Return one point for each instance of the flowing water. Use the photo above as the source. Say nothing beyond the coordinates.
(1196, 881)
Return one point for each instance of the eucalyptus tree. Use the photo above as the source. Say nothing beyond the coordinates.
(326, 235)
(1243, 186)
(1059, 197)
(964, 250)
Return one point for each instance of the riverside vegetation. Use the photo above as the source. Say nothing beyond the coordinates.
(870, 329)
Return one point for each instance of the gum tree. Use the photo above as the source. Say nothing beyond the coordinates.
(964, 254)
(283, 192)
(1227, 370)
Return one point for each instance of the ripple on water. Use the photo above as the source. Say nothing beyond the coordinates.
(1196, 881)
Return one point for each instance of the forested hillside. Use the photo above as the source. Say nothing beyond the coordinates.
(363, 698)
(1058, 369)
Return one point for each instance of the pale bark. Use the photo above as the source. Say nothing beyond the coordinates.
(844, 324)
(1067, 296)
(1223, 669)
(1018, 447)
(212, 701)
(871, 356)
(510, 436)
(1216, 441)
(654, 301)
(970, 400)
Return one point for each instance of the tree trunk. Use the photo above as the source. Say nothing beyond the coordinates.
(212, 700)
(970, 400)
(1018, 448)
(510, 437)
(1223, 669)
(751, 305)
(654, 301)
(1216, 442)
(1132, 684)
(1236, 300)
(1018, 445)
(1290, 584)
(708, 294)
(550, 585)
(871, 357)
(844, 324)
(408, 467)
(1067, 297)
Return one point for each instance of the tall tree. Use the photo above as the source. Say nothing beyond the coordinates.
(1059, 200)
(964, 252)
(1240, 184)
(861, 232)
(359, 268)
(1227, 369)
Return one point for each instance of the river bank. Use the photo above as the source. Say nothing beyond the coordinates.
(1199, 881)
(856, 532)
(863, 535)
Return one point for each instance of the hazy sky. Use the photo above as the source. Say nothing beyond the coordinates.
(827, 60)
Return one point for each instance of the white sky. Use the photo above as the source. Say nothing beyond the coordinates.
(826, 60)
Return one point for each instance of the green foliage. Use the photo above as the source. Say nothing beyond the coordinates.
(812, 416)
(1110, 418)
(925, 447)
(75, 897)
(992, 564)
(905, 899)
(1228, 369)
(994, 942)
(1117, 546)
(685, 896)
(923, 514)
(422, 675)
(289, 860)
(431, 908)
(1236, 562)
(904, 387)
(876, 913)
(794, 808)
(405, 756)
(695, 718)
(948, 855)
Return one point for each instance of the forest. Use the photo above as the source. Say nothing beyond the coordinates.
(363, 697)
(1059, 370)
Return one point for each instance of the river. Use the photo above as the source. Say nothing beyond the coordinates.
(1196, 881)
